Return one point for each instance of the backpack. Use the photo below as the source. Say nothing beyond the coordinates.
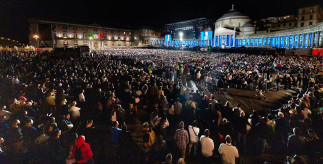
(78, 153)
(152, 139)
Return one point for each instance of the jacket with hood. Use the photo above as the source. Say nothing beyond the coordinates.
(85, 149)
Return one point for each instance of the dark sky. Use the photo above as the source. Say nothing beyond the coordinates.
(14, 14)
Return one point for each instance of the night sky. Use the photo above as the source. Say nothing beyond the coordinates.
(14, 14)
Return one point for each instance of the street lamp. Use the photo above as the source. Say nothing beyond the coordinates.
(36, 37)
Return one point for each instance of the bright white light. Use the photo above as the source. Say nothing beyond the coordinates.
(181, 36)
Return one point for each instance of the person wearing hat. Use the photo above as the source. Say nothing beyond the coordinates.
(86, 151)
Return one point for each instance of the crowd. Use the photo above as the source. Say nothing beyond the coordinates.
(77, 110)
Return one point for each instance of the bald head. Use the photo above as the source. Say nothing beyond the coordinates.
(228, 139)
(281, 114)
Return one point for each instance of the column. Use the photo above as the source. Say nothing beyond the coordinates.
(313, 40)
(317, 38)
(308, 38)
(303, 39)
(216, 41)
(234, 40)
(293, 41)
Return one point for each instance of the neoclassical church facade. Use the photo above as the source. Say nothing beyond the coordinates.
(233, 29)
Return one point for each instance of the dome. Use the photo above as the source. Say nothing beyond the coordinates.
(247, 25)
(233, 19)
(233, 13)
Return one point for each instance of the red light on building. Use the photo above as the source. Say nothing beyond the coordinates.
(317, 51)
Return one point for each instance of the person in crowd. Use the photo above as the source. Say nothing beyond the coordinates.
(178, 107)
(181, 138)
(207, 147)
(14, 137)
(56, 149)
(194, 131)
(29, 133)
(228, 152)
(65, 124)
(181, 161)
(114, 84)
(2, 151)
(315, 144)
(282, 127)
(169, 159)
(4, 114)
(159, 150)
(242, 122)
(82, 151)
(296, 142)
(116, 131)
(164, 123)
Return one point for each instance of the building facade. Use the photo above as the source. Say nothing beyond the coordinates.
(45, 34)
(146, 35)
(272, 24)
(311, 15)
(234, 29)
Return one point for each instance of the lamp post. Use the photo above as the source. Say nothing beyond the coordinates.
(36, 37)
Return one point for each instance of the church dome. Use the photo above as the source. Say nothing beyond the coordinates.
(233, 14)
(233, 19)
(247, 25)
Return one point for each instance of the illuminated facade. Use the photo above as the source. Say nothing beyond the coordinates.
(311, 15)
(234, 29)
(59, 34)
(190, 29)
(146, 35)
